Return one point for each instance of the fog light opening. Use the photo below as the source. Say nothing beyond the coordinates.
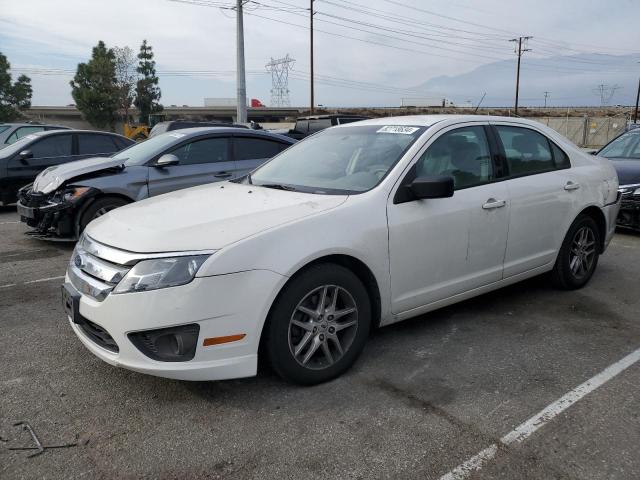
(174, 344)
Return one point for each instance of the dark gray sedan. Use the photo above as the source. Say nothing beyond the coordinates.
(64, 199)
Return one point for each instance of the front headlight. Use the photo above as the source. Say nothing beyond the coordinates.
(74, 193)
(160, 273)
(629, 189)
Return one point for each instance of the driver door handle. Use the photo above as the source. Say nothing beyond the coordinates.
(571, 186)
(493, 203)
(222, 175)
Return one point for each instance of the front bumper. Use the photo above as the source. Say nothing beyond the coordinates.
(629, 216)
(48, 217)
(221, 305)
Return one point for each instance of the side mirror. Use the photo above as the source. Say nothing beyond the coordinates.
(167, 160)
(432, 187)
(25, 154)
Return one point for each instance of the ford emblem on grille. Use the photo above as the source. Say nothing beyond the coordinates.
(78, 261)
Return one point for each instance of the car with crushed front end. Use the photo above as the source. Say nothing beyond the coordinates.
(624, 153)
(358, 226)
(64, 199)
(24, 159)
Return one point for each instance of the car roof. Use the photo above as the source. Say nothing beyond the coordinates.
(194, 131)
(33, 124)
(71, 130)
(429, 120)
(331, 115)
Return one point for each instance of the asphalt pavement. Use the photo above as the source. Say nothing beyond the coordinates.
(426, 396)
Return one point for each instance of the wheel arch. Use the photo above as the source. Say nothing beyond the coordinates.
(597, 215)
(358, 267)
(98, 196)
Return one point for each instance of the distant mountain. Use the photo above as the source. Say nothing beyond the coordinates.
(571, 80)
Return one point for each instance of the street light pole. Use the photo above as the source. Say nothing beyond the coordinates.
(241, 108)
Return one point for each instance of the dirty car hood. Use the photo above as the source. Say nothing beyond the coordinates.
(51, 178)
(208, 217)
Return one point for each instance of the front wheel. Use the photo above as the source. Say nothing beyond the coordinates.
(99, 208)
(319, 325)
(578, 255)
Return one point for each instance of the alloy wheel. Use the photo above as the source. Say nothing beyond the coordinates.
(583, 252)
(322, 327)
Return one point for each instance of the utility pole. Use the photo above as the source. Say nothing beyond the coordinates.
(241, 108)
(635, 115)
(311, 62)
(546, 95)
(520, 50)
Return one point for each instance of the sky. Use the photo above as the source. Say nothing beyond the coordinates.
(367, 52)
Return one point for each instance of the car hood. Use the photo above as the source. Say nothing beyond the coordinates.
(628, 170)
(208, 217)
(51, 178)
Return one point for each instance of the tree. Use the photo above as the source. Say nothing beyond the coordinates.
(94, 88)
(125, 78)
(147, 91)
(14, 97)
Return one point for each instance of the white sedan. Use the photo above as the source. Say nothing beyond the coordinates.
(356, 227)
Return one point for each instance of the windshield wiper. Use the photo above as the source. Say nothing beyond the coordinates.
(278, 186)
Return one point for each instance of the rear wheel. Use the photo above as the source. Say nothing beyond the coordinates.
(579, 254)
(99, 208)
(319, 325)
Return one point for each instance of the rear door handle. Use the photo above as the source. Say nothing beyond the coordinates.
(571, 186)
(222, 175)
(493, 203)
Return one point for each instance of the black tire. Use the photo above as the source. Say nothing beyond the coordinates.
(98, 208)
(564, 274)
(282, 336)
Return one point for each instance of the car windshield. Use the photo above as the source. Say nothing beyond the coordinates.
(338, 160)
(626, 146)
(142, 152)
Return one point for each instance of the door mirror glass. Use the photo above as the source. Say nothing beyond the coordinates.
(432, 187)
(167, 160)
(25, 154)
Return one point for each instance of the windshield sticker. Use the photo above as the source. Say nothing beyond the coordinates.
(176, 135)
(398, 129)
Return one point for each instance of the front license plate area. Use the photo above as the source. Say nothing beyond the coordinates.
(71, 303)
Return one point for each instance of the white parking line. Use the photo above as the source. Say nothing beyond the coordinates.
(8, 223)
(526, 429)
(44, 280)
(48, 279)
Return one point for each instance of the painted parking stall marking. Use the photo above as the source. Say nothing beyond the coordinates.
(526, 429)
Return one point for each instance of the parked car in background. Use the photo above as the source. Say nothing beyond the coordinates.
(171, 125)
(64, 199)
(358, 226)
(12, 132)
(305, 126)
(23, 160)
(624, 153)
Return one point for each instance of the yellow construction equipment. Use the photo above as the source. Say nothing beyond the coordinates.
(141, 131)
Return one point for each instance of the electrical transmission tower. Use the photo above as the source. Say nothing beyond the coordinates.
(279, 69)
(606, 93)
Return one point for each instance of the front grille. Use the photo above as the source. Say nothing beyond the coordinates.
(98, 335)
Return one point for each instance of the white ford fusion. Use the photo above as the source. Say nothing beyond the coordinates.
(358, 226)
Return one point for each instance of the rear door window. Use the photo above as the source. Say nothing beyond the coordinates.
(247, 148)
(90, 144)
(207, 150)
(22, 132)
(318, 124)
(52, 146)
(527, 151)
